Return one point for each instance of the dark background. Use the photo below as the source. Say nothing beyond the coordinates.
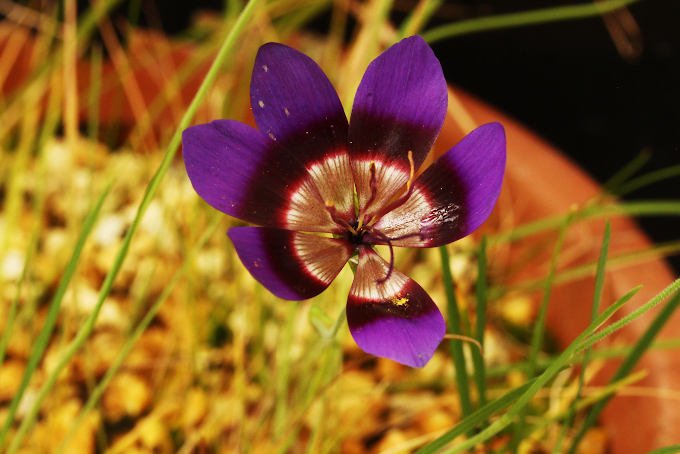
(565, 80)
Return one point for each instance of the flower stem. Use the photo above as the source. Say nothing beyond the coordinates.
(524, 18)
(480, 324)
(455, 327)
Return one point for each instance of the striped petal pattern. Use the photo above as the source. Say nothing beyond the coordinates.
(394, 317)
(454, 196)
(399, 108)
(291, 265)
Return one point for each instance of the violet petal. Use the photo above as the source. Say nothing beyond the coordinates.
(240, 172)
(395, 319)
(291, 97)
(296, 106)
(400, 103)
(452, 197)
(399, 108)
(291, 265)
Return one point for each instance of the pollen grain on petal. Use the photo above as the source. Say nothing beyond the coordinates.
(265, 68)
(400, 301)
(261, 104)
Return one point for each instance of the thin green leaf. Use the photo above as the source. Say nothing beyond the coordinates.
(553, 369)
(632, 359)
(648, 179)
(52, 313)
(524, 18)
(454, 321)
(480, 323)
(627, 171)
(673, 449)
(135, 335)
(597, 298)
(474, 419)
(85, 330)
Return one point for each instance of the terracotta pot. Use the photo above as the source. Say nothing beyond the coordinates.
(539, 182)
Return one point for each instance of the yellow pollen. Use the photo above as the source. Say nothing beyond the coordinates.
(399, 301)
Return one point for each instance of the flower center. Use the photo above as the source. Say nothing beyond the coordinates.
(362, 230)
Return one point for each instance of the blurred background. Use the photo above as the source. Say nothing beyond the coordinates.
(174, 345)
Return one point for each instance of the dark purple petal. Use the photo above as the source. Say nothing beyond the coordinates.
(395, 319)
(399, 107)
(452, 197)
(222, 159)
(295, 104)
(400, 103)
(291, 265)
(244, 174)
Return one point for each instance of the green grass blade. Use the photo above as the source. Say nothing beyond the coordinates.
(12, 313)
(597, 299)
(617, 325)
(641, 346)
(538, 334)
(539, 324)
(480, 323)
(562, 361)
(53, 312)
(84, 332)
(591, 210)
(419, 17)
(136, 334)
(474, 419)
(454, 322)
(524, 18)
(674, 449)
(648, 179)
(627, 171)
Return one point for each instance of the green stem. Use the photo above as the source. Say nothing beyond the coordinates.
(641, 346)
(597, 298)
(135, 335)
(84, 332)
(455, 327)
(582, 341)
(480, 323)
(51, 319)
(524, 18)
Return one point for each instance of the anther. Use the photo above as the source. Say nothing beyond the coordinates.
(412, 171)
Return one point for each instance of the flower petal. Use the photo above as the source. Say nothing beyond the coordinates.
(242, 173)
(399, 107)
(292, 97)
(296, 106)
(395, 319)
(292, 265)
(452, 197)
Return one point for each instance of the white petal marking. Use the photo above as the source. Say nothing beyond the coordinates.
(322, 258)
(329, 182)
(368, 284)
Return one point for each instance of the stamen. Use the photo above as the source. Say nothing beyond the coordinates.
(387, 241)
(409, 188)
(335, 217)
(412, 171)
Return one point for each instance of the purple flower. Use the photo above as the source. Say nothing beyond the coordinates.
(308, 172)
